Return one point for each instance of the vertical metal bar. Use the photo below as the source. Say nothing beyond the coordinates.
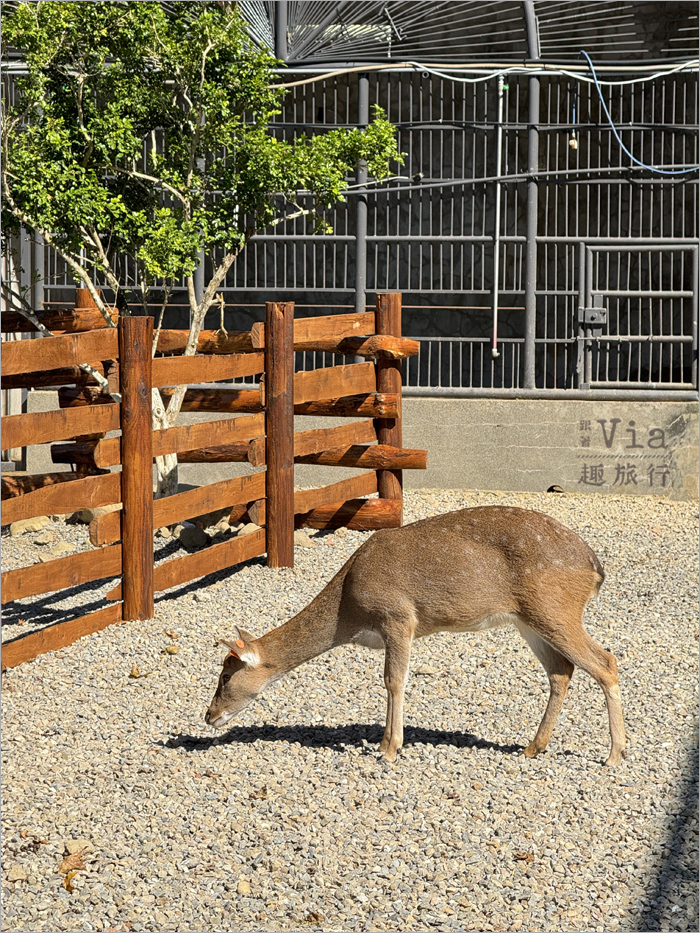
(281, 29)
(361, 202)
(497, 221)
(532, 199)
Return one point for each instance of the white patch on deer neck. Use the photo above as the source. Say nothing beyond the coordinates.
(251, 658)
(368, 637)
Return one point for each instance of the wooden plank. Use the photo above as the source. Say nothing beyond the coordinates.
(73, 570)
(219, 400)
(30, 646)
(51, 377)
(366, 405)
(379, 457)
(21, 485)
(82, 396)
(106, 529)
(87, 493)
(68, 320)
(389, 431)
(229, 453)
(135, 377)
(178, 370)
(24, 356)
(310, 442)
(279, 432)
(327, 325)
(334, 382)
(357, 514)
(191, 566)
(45, 426)
(373, 348)
(210, 341)
(187, 437)
(365, 484)
(228, 492)
(80, 452)
(306, 499)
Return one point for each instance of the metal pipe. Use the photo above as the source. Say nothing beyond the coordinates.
(497, 220)
(361, 203)
(579, 395)
(281, 30)
(533, 153)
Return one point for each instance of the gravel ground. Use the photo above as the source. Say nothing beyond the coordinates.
(289, 821)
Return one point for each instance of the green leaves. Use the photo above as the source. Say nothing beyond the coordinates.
(147, 133)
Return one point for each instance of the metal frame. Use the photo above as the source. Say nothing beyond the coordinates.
(489, 249)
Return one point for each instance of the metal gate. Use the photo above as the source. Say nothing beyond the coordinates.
(637, 316)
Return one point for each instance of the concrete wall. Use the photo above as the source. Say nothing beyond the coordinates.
(629, 448)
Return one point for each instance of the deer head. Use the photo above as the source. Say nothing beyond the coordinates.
(240, 681)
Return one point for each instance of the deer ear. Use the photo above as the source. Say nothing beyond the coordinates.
(241, 649)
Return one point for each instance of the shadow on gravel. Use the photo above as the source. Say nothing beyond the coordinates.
(42, 612)
(335, 737)
(201, 583)
(673, 894)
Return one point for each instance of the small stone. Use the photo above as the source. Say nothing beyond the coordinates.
(193, 538)
(26, 525)
(163, 532)
(243, 888)
(17, 873)
(222, 525)
(79, 845)
(249, 529)
(58, 550)
(301, 539)
(46, 537)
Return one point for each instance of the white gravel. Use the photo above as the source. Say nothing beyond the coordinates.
(288, 820)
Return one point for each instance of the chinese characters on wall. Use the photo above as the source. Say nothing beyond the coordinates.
(625, 455)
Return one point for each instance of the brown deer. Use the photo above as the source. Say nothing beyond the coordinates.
(465, 571)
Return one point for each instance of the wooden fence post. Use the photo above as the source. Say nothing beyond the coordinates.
(388, 321)
(279, 432)
(135, 339)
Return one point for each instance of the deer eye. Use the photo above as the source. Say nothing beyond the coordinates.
(225, 678)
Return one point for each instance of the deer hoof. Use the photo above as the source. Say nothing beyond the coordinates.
(532, 750)
(615, 758)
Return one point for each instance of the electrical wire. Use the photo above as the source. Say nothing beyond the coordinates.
(651, 168)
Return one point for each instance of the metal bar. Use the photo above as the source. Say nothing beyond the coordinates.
(532, 199)
(281, 29)
(361, 203)
(594, 395)
(497, 221)
(696, 285)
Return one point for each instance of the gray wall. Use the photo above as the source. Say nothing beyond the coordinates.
(624, 448)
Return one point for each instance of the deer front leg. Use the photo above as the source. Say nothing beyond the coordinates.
(396, 660)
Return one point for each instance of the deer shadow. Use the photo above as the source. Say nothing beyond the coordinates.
(334, 737)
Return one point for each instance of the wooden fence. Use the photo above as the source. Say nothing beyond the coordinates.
(260, 431)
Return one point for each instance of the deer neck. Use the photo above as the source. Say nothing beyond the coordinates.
(311, 632)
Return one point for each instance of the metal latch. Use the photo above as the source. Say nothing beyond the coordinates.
(597, 315)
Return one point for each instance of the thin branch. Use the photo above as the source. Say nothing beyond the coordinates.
(156, 335)
(158, 181)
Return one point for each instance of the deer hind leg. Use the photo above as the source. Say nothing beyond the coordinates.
(578, 646)
(559, 671)
(396, 660)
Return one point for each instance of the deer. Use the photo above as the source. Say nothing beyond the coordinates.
(465, 571)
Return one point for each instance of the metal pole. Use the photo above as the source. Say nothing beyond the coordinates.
(497, 221)
(281, 30)
(696, 286)
(361, 202)
(533, 151)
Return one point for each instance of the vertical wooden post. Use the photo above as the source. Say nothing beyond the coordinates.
(135, 339)
(388, 321)
(279, 432)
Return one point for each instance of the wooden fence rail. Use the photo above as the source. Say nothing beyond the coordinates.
(261, 434)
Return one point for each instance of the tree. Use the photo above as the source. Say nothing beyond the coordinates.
(144, 132)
